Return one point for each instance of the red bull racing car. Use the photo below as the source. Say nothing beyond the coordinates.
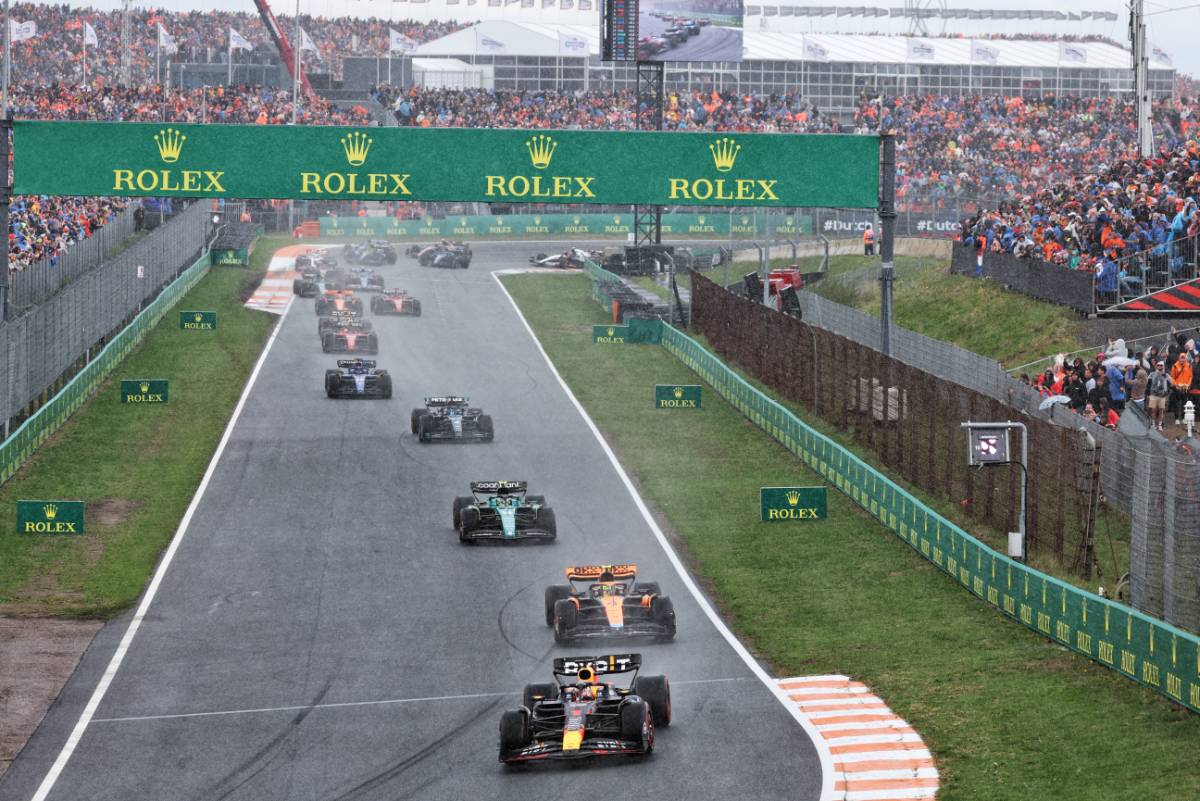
(350, 336)
(395, 301)
(607, 601)
(339, 319)
(581, 715)
(358, 378)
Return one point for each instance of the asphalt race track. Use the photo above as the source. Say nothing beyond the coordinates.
(713, 43)
(321, 634)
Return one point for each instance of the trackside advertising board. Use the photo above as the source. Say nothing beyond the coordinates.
(143, 390)
(512, 226)
(793, 503)
(487, 165)
(677, 396)
(610, 334)
(198, 320)
(50, 517)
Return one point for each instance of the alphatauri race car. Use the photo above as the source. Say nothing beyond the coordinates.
(395, 301)
(350, 336)
(502, 512)
(451, 418)
(340, 319)
(572, 259)
(580, 715)
(365, 279)
(358, 378)
(448, 255)
(332, 300)
(371, 254)
(606, 601)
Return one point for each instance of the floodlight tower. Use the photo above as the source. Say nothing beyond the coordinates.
(918, 11)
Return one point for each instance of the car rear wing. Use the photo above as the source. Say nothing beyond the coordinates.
(499, 487)
(600, 665)
(593, 572)
(398, 293)
(346, 364)
(447, 400)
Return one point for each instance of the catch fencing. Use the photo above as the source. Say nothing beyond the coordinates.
(1155, 654)
(15, 450)
(50, 339)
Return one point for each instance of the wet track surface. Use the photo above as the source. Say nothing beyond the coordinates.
(321, 633)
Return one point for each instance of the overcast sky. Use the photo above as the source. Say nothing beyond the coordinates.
(1175, 31)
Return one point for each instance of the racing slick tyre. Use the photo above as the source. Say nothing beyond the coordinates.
(385, 383)
(540, 500)
(487, 427)
(327, 342)
(424, 424)
(662, 612)
(416, 418)
(655, 691)
(515, 732)
(296, 284)
(538, 692)
(460, 503)
(647, 588)
(375, 305)
(425, 259)
(545, 519)
(463, 264)
(468, 519)
(566, 615)
(637, 724)
(554, 594)
(331, 380)
(416, 305)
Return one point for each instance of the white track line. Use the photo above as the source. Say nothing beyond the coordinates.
(114, 664)
(818, 742)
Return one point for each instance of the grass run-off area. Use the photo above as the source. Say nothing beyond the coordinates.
(1009, 716)
(136, 466)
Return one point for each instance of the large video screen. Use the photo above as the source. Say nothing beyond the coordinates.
(672, 30)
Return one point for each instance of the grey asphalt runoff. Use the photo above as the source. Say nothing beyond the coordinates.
(322, 635)
(713, 43)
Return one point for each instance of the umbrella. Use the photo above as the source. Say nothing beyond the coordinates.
(1120, 361)
(1050, 401)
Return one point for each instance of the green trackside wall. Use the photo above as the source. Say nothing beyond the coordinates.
(1148, 651)
(15, 450)
(534, 226)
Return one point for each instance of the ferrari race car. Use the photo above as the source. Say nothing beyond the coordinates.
(579, 715)
(395, 301)
(372, 253)
(339, 319)
(332, 300)
(501, 511)
(365, 279)
(449, 255)
(572, 259)
(608, 600)
(451, 418)
(350, 336)
(358, 378)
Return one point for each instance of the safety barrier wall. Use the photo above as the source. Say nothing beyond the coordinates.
(1155, 654)
(15, 450)
(1055, 283)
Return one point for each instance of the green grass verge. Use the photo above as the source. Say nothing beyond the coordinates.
(137, 467)
(1009, 716)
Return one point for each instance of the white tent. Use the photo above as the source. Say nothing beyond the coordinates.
(450, 73)
(504, 38)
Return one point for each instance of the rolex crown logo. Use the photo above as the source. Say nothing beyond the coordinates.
(724, 152)
(793, 498)
(356, 145)
(700, 219)
(575, 220)
(610, 332)
(50, 510)
(198, 317)
(541, 150)
(678, 392)
(170, 144)
(462, 220)
(616, 219)
(144, 387)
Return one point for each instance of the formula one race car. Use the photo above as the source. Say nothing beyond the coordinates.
(501, 511)
(358, 378)
(578, 715)
(316, 260)
(572, 259)
(371, 254)
(340, 319)
(332, 300)
(451, 418)
(365, 279)
(395, 301)
(449, 255)
(605, 601)
(309, 284)
(350, 336)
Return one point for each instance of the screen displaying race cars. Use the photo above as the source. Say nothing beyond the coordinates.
(672, 30)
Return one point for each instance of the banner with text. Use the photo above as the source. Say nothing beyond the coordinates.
(714, 226)
(489, 165)
(50, 517)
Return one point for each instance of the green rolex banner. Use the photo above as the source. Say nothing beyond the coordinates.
(673, 396)
(50, 517)
(463, 164)
(610, 334)
(793, 503)
(198, 320)
(143, 390)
